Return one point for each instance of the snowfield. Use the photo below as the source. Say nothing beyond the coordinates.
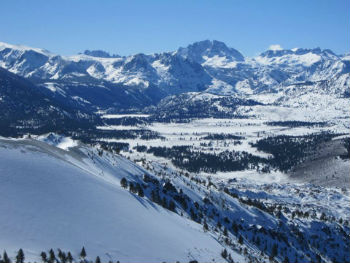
(59, 199)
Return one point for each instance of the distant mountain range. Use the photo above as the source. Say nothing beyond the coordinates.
(97, 81)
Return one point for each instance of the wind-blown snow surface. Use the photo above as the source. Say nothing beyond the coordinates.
(53, 198)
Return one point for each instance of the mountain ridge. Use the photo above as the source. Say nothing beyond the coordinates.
(119, 83)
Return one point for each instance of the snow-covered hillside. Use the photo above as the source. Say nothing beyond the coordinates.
(57, 193)
(53, 198)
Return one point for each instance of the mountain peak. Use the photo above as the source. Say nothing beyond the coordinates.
(209, 48)
(23, 48)
(278, 51)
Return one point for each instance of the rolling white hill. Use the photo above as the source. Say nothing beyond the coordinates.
(54, 198)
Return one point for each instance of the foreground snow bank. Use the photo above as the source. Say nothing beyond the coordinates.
(52, 198)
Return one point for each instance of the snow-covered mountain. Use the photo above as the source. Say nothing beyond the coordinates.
(23, 106)
(68, 199)
(98, 79)
(61, 194)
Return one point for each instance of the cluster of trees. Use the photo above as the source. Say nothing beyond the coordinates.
(293, 124)
(51, 257)
(222, 136)
(134, 188)
(19, 257)
(126, 121)
(93, 135)
(196, 161)
(288, 151)
(115, 147)
(140, 148)
(183, 109)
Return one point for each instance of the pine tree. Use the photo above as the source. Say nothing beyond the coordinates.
(235, 228)
(98, 260)
(43, 256)
(20, 256)
(131, 187)
(274, 251)
(83, 253)
(286, 259)
(224, 253)
(52, 256)
(225, 232)
(140, 191)
(5, 258)
(164, 202)
(240, 239)
(69, 257)
(62, 256)
(124, 183)
(258, 241)
(205, 225)
(172, 205)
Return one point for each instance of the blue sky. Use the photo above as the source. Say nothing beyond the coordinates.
(148, 26)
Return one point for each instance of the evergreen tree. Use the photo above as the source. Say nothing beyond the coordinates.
(62, 256)
(43, 256)
(98, 260)
(224, 253)
(52, 256)
(140, 191)
(225, 232)
(286, 259)
(240, 239)
(20, 256)
(124, 183)
(5, 258)
(274, 251)
(230, 258)
(172, 205)
(69, 257)
(235, 228)
(258, 241)
(205, 226)
(164, 202)
(83, 253)
(131, 187)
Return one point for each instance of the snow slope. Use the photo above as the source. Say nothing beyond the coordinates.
(68, 199)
